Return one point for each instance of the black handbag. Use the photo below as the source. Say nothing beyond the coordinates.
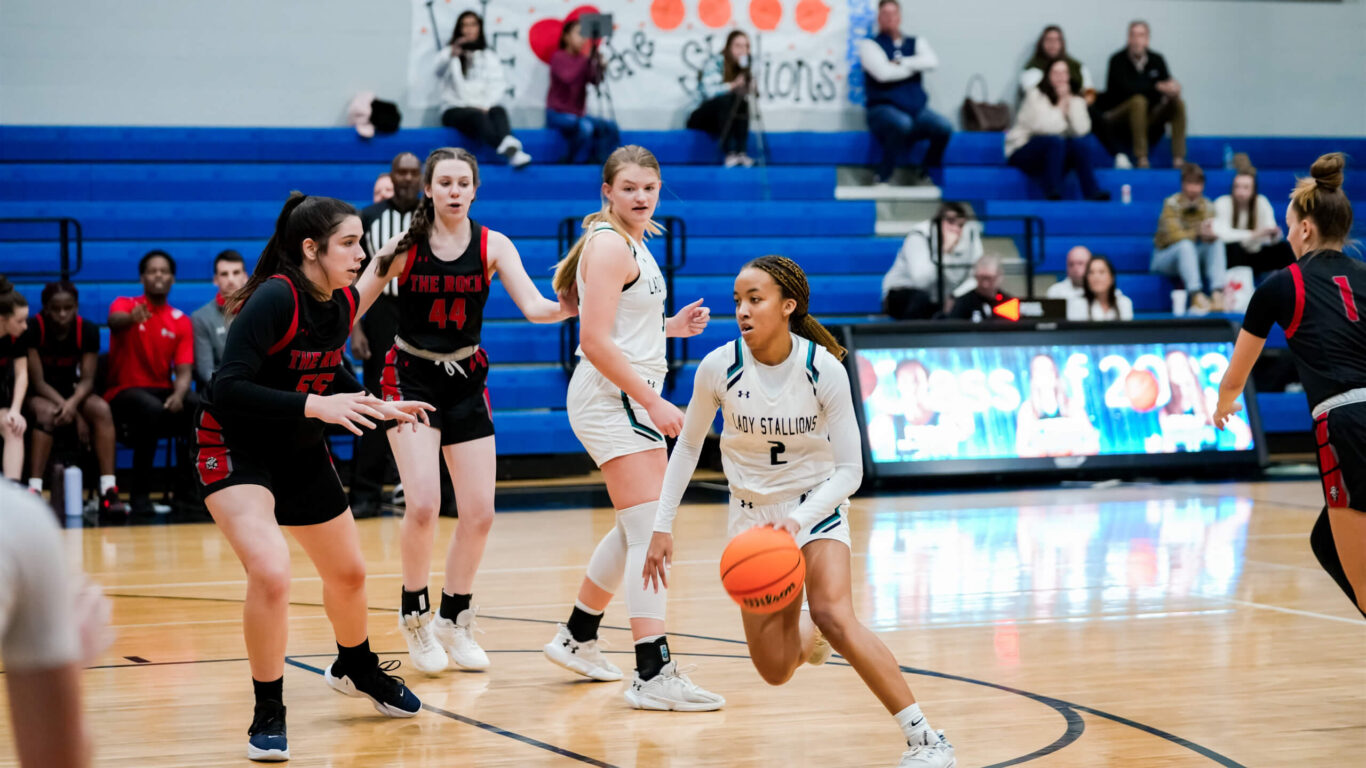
(982, 115)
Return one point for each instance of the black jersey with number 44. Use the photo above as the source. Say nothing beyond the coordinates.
(441, 303)
(1318, 301)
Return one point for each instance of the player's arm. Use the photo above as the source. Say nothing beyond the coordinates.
(1273, 302)
(20, 367)
(35, 377)
(89, 363)
(706, 398)
(837, 405)
(507, 262)
(371, 283)
(263, 321)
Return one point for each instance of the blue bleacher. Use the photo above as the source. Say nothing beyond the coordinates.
(134, 189)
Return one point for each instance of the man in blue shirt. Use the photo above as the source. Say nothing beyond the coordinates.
(898, 112)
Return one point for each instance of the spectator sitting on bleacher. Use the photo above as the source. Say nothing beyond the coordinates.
(1101, 300)
(1049, 135)
(1073, 284)
(910, 289)
(1186, 245)
(722, 112)
(63, 354)
(898, 111)
(151, 356)
(987, 274)
(209, 322)
(473, 84)
(13, 377)
(1246, 223)
(573, 67)
(1141, 97)
(384, 187)
(1052, 46)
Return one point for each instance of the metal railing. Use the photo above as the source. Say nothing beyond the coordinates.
(675, 240)
(30, 230)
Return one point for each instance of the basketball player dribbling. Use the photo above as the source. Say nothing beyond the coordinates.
(1316, 301)
(791, 454)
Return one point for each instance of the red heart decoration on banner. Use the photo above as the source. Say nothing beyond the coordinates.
(544, 35)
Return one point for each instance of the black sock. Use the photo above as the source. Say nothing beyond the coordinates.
(355, 658)
(452, 605)
(271, 691)
(415, 602)
(582, 625)
(651, 656)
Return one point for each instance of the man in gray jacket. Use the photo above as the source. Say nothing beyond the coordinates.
(210, 324)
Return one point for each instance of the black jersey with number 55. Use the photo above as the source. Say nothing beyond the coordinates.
(1318, 301)
(441, 303)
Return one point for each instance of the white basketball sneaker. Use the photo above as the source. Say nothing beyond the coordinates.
(424, 652)
(671, 690)
(938, 753)
(585, 658)
(457, 637)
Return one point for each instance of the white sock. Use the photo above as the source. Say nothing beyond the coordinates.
(914, 726)
(649, 639)
(106, 482)
(591, 612)
(36, 483)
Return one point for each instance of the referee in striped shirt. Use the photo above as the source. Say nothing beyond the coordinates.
(374, 334)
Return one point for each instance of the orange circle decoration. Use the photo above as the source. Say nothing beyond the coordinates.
(714, 13)
(667, 14)
(812, 15)
(766, 14)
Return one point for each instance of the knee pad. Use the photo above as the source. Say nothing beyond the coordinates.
(608, 563)
(638, 524)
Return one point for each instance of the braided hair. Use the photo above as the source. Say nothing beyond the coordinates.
(425, 214)
(792, 281)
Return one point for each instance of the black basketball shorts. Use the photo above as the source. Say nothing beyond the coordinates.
(458, 391)
(1341, 437)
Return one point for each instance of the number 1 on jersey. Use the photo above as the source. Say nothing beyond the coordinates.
(1349, 301)
(439, 317)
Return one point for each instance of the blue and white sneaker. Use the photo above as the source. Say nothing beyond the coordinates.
(266, 742)
(387, 692)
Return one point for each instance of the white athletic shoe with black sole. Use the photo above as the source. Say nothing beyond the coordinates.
(935, 753)
(387, 692)
(457, 638)
(672, 691)
(585, 658)
(424, 652)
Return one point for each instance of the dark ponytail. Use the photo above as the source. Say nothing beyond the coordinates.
(10, 298)
(302, 218)
(425, 214)
(792, 281)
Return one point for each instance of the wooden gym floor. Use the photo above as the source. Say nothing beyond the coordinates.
(1128, 625)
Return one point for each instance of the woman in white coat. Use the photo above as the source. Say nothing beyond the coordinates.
(472, 85)
(1048, 139)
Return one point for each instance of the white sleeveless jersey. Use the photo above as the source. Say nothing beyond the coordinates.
(638, 329)
(775, 443)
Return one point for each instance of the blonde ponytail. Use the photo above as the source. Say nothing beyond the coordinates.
(567, 270)
(793, 283)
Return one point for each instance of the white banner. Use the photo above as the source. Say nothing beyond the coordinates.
(803, 53)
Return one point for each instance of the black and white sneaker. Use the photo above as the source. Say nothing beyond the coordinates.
(387, 692)
(266, 742)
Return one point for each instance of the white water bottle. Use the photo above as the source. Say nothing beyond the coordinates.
(72, 482)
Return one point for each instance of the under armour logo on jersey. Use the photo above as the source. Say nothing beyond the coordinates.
(746, 504)
(742, 393)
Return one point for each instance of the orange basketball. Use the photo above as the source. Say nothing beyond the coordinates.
(763, 570)
(1141, 387)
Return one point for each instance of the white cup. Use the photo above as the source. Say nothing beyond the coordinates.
(1179, 302)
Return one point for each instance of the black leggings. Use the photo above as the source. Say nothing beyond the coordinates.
(712, 116)
(489, 127)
